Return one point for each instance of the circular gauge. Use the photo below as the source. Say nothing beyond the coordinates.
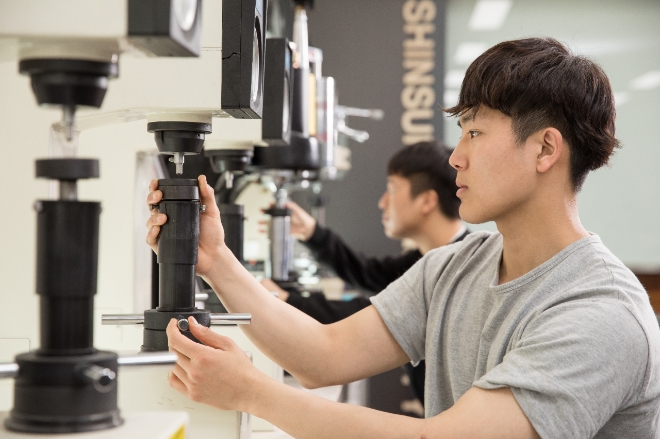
(185, 12)
(256, 62)
(286, 108)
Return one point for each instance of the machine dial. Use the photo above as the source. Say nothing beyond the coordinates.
(256, 62)
(185, 12)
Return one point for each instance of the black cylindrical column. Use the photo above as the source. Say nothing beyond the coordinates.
(232, 219)
(177, 244)
(67, 264)
(300, 108)
(177, 256)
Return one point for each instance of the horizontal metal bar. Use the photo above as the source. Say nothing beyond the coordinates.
(201, 297)
(122, 319)
(8, 370)
(230, 319)
(147, 359)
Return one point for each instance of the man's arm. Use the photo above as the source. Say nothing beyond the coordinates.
(219, 374)
(315, 354)
(317, 305)
(370, 273)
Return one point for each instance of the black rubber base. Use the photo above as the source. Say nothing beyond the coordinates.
(155, 322)
(50, 397)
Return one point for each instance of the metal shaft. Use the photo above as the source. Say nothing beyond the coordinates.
(230, 319)
(8, 370)
(138, 319)
(148, 359)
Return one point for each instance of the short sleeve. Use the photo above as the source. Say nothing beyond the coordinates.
(575, 365)
(403, 305)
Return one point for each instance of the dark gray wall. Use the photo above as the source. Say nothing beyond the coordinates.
(365, 61)
(362, 48)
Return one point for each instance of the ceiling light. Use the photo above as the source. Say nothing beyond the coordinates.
(468, 52)
(621, 98)
(489, 14)
(450, 98)
(647, 81)
(454, 78)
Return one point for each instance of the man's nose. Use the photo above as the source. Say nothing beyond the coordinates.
(457, 159)
(382, 203)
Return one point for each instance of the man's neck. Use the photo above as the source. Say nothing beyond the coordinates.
(534, 234)
(436, 231)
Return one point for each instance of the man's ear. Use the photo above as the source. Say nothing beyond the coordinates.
(429, 199)
(552, 147)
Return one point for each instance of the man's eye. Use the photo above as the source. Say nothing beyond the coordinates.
(473, 134)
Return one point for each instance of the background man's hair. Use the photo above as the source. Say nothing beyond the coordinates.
(426, 166)
(539, 83)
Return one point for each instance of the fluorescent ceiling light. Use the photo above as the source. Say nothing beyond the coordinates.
(450, 98)
(454, 78)
(647, 81)
(489, 14)
(468, 52)
(621, 98)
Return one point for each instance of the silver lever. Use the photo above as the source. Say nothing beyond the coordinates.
(8, 370)
(138, 319)
(230, 319)
(122, 319)
(342, 112)
(147, 359)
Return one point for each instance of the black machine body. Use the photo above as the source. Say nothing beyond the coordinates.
(166, 27)
(278, 93)
(243, 57)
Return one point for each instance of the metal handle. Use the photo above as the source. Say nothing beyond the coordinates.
(371, 113)
(201, 297)
(147, 359)
(138, 319)
(230, 319)
(102, 378)
(8, 370)
(357, 135)
(122, 319)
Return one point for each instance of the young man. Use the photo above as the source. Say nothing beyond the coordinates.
(535, 331)
(419, 204)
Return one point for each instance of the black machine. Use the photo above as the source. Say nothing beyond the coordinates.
(66, 385)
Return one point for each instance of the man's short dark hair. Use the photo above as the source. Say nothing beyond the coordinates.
(539, 83)
(426, 166)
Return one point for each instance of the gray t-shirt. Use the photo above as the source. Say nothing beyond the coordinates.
(575, 339)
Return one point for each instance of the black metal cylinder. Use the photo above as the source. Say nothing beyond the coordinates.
(177, 244)
(177, 257)
(300, 106)
(232, 223)
(67, 267)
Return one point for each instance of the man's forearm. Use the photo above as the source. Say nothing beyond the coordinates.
(304, 415)
(292, 339)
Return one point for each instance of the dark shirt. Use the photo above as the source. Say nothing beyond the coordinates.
(369, 273)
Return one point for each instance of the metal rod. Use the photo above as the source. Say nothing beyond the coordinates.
(122, 319)
(201, 297)
(230, 319)
(8, 370)
(148, 359)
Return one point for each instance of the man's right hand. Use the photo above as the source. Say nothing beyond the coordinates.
(211, 233)
(302, 223)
